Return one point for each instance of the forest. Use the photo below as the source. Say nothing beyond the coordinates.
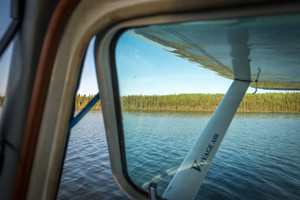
(82, 100)
(1, 101)
(265, 103)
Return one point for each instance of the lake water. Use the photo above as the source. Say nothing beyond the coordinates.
(86, 172)
(259, 157)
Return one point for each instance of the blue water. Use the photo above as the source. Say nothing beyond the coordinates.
(258, 158)
(86, 172)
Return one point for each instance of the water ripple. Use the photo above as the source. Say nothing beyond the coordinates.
(258, 158)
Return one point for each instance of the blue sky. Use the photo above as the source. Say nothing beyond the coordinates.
(88, 83)
(145, 69)
(6, 57)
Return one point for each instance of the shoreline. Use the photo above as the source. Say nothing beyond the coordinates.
(191, 111)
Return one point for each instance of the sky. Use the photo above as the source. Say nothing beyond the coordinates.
(88, 82)
(147, 70)
(142, 68)
(6, 57)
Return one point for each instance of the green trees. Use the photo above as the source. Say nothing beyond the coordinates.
(267, 102)
(182, 102)
(271, 102)
(1, 101)
(82, 100)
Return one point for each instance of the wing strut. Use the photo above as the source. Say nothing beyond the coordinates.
(189, 177)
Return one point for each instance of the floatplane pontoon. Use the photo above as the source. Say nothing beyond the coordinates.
(49, 46)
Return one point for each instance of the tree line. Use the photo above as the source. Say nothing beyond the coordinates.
(266, 102)
(82, 100)
(1, 101)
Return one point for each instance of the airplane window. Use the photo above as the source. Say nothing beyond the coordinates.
(86, 170)
(171, 78)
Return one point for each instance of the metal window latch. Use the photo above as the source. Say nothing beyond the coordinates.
(256, 80)
(152, 191)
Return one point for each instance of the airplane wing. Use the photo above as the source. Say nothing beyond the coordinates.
(261, 51)
(273, 47)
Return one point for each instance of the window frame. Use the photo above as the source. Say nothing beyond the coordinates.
(120, 29)
(52, 134)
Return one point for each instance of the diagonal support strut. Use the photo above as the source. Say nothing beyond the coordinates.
(189, 177)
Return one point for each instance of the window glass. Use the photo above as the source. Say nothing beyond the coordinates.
(5, 61)
(171, 78)
(6, 57)
(4, 16)
(86, 170)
